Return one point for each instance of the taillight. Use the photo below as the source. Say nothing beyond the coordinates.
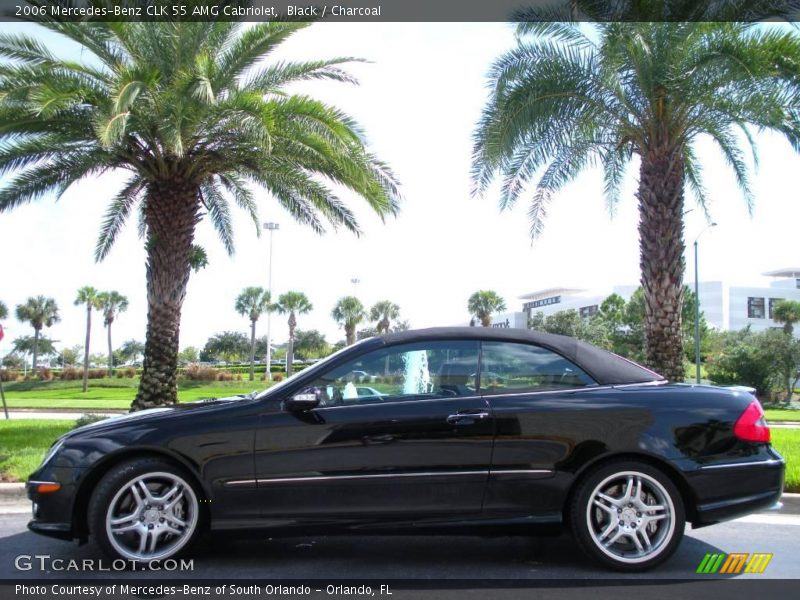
(751, 426)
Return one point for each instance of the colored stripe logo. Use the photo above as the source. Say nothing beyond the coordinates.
(734, 563)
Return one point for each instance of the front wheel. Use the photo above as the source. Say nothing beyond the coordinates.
(628, 515)
(144, 510)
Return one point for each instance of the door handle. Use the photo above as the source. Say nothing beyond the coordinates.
(467, 417)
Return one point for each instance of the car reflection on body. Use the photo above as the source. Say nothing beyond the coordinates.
(475, 430)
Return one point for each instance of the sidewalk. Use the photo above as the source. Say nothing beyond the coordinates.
(64, 413)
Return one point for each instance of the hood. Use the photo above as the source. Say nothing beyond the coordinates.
(149, 414)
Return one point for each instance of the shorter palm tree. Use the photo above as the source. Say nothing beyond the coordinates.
(253, 302)
(132, 349)
(294, 303)
(39, 312)
(788, 313)
(111, 303)
(87, 296)
(348, 313)
(483, 304)
(384, 312)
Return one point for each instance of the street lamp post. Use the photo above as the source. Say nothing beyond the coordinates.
(697, 307)
(271, 227)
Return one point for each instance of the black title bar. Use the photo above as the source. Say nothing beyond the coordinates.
(373, 11)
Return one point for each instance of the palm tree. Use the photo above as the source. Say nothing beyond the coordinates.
(384, 312)
(253, 302)
(483, 304)
(195, 116)
(111, 303)
(294, 303)
(132, 349)
(39, 312)
(3, 310)
(87, 296)
(564, 100)
(788, 313)
(348, 313)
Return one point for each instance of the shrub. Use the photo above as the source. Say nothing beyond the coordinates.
(119, 374)
(197, 373)
(45, 374)
(277, 377)
(224, 376)
(87, 419)
(71, 374)
(9, 375)
(130, 372)
(97, 373)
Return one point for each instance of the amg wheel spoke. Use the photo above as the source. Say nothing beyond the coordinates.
(614, 538)
(143, 535)
(174, 493)
(133, 517)
(145, 491)
(605, 507)
(628, 490)
(607, 531)
(645, 539)
(154, 535)
(636, 542)
(609, 499)
(132, 527)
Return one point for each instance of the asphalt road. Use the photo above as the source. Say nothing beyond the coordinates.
(419, 558)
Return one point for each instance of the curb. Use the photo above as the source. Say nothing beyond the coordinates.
(10, 492)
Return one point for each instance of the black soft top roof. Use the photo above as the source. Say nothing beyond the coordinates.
(605, 367)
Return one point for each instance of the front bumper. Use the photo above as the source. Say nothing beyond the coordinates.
(53, 511)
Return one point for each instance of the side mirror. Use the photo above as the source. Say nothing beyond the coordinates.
(305, 400)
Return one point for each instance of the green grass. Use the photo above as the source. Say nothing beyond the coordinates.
(23, 444)
(782, 414)
(111, 393)
(787, 442)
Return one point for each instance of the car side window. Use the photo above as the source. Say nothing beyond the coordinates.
(509, 368)
(403, 373)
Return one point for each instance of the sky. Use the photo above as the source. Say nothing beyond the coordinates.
(418, 100)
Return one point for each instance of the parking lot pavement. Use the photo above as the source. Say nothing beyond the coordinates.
(417, 557)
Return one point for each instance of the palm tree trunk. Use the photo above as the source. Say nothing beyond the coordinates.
(110, 352)
(35, 349)
(171, 213)
(350, 334)
(252, 350)
(486, 320)
(86, 346)
(290, 348)
(661, 245)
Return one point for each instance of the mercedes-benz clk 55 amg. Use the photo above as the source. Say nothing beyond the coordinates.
(467, 430)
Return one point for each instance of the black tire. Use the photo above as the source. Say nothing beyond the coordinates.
(594, 526)
(156, 513)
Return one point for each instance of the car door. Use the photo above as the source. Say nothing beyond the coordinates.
(538, 399)
(399, 430)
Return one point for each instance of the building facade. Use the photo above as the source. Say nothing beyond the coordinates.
(726, 306)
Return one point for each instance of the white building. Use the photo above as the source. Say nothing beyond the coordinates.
(726, 306)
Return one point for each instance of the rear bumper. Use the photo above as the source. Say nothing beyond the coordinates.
(733, 490)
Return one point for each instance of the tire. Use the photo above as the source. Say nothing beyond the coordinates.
(606, 507)
(145, 509)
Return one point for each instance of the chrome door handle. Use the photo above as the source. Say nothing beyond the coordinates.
(467, 417)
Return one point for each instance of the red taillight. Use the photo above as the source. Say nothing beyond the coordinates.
(751, 426)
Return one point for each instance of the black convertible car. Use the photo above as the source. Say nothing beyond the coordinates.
(466, 430)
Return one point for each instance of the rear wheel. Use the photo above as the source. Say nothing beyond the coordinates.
(143, 510)
(628, 515)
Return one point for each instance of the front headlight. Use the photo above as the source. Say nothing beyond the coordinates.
(52, 452)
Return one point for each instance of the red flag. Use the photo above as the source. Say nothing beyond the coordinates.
(1, 333)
